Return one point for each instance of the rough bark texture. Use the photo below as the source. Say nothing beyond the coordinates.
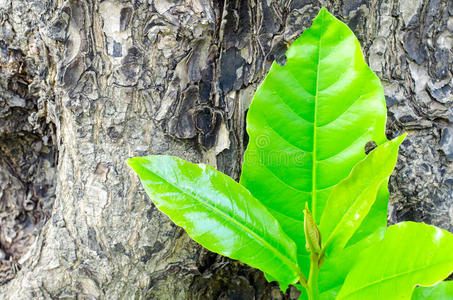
(86, 84)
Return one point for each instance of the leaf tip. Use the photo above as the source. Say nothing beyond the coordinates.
(401, 139)
(134, 163)
(324, 11)
(131, 161)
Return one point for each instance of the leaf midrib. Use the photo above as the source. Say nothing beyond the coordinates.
(313, 179)
(234, 221)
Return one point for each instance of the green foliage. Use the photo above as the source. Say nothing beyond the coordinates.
(352, 199)
(218, 213)
(410, 254)
(308, 124)
(442, 290)
(311, 206)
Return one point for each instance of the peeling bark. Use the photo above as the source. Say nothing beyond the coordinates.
(86, 84)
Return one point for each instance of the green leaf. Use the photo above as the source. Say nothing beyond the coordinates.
(410, 254)
(376, 218)
(443, 290)
(218, 213)
(371, 230)
(337, 266)
(309, 122)
(351, 200)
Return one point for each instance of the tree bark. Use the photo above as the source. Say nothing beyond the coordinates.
(87, 84)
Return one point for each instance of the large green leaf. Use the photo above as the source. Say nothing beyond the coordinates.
(218, 213)
(410, 254)
(351, 199)
(309, 122)
(441, 291)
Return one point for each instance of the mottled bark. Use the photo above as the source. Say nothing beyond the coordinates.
(86, 84)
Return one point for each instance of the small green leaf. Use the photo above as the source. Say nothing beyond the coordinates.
(441, 291)
(218, 213)
(410, 254)
(352, 199)
(309, 122)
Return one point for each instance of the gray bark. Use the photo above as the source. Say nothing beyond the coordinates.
(86, 84)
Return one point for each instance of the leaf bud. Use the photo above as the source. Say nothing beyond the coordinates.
(312, 234)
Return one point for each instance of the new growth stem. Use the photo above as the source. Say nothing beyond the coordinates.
(312, 286)
(314, 246)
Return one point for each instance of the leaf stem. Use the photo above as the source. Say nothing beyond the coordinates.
(303, 281)
(312, 286)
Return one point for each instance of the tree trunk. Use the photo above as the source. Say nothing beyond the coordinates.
(86, 84)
